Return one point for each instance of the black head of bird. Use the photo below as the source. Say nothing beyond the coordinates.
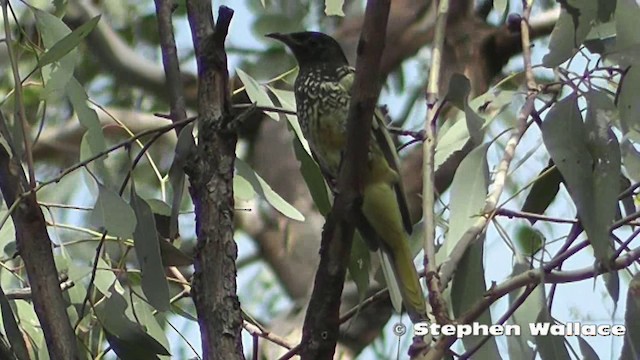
(310, 47)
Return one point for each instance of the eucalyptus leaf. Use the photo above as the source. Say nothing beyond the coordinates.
(468, 194)
(261, 187)
(256, 92)
(112, 213)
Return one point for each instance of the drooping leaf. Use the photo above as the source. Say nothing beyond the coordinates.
(627, 104)
(550, 347)
(572, 27)
(263, 189)
(543, 191)
(68, 43)
(172, 256)
(88, 118)
(127, 338)
(147, 246)
(606, 9)
(288, 102)
(631, 345)
(487, 106)
(52, 30)
(468, 194)
(566, 138)
(256, 92)
(313, 178)
(184, 146)
(458, 92)
(113, 213)
(612, 283)
(468, 286)
(627, 202)
(587, 351)
(524, 315)
(11, 329)
(626, 15)
(605, 150)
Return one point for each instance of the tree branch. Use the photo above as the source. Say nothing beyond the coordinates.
(175, 87)
(34, 246)
(320, 331)
(210, 169)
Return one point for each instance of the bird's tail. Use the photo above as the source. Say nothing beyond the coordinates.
(408, 282)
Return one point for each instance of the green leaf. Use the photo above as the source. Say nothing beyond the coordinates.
(628, 105)
(87, 117)
(587, 351)
(571, 29)
(468, 194)
(178, 310)
(127, 338)
(524, 315)
(333, 7)
(30, 327)
(529, 239)
(612, 283)
(68, 43)
(565, 136)
(487, 106)
(52, 30)
(606, 9)
(172, 256)
(605, 150)
(113, 213)
(105, 278)
(468, 286)
(147, 246)
(261, 187)
(627, 202)
(627, 14)
(11, 329)
(631, 345)
(242, 189)
(313, 178)
(458, 92)
(288, 102)
(500, 6)
(184, 147)
(550, 347)
(543, 191)
(256, 92)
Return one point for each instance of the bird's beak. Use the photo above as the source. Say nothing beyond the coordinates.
(285, 38)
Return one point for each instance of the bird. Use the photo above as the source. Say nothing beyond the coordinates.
(322, 91)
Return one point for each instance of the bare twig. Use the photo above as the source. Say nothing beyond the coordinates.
(164, 9)
(18, 93)
(429, 149)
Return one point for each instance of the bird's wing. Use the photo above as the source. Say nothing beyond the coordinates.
(388, 148)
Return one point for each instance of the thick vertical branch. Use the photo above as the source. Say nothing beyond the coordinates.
(210, 170)
(34, 246)
(320, 331)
